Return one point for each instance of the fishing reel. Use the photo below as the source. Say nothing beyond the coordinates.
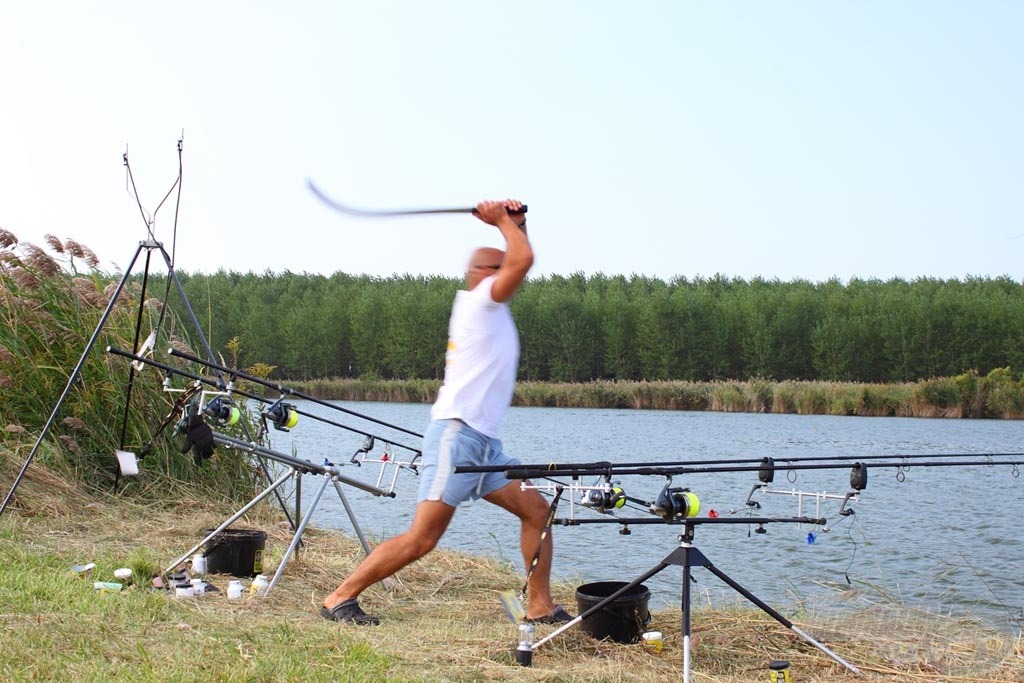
(223, 411)
(282, 415)
(610, 497)
(675, 502)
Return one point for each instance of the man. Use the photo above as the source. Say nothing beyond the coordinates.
(480, 372)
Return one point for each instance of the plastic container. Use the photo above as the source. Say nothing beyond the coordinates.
(199, 564)
(238, 552)
(623, 620)
(653, 642)
(778, 671)
(524, 651)
(259, 586)
(234, 589)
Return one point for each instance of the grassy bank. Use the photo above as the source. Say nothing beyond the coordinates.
(996, 395)
(441, 618)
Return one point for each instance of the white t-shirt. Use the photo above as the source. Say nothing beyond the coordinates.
(481, 361)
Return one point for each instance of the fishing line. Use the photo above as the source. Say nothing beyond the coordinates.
(991, 592)
(130, 179)
(131, 368)
(853, 555)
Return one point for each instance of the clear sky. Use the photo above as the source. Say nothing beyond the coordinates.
(785, 139)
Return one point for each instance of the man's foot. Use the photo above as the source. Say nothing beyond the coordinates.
(557, 616)
(349, 612)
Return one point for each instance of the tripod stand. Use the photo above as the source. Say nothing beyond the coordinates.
(688, 556)
(148, 246)
(330, 475)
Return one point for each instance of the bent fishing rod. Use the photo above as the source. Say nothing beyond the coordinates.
(287, 391)
(220, 386)
(350, 210)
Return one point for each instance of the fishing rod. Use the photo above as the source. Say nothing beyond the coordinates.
(283, 414)
(286, 391)
(580, 470)
(389, 213)
(815, 521)
(673, 502)
(815, 458)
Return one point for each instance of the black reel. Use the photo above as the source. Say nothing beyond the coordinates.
(676, 503)
(223, 411)
(282, 415)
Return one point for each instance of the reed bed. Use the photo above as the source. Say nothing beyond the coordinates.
(998, 395)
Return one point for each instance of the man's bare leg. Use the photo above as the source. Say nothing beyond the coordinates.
(532, 510)
(428, 525)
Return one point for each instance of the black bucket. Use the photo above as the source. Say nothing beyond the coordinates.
(624, 619)
(238, 552)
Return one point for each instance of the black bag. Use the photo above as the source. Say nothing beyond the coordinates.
(198, 438)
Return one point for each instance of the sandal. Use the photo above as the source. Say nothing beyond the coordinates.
(557, 616)
(349, 612)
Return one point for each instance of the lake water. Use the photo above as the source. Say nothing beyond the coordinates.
(944, 539)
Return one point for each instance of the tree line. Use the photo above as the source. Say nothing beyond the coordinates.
(580, 328)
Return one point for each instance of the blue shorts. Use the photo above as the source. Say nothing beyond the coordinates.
(452, 443)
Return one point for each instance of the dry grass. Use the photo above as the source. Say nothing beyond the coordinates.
(441, 617)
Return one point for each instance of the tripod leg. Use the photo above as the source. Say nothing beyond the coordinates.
(277, 494)
(298, 533)
(686, 622)
(173, 276)
(74, 376)
(248, 506)
(777, 617)
(352, 518)
(629, 586)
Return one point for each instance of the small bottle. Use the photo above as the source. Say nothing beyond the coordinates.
(199, 564)
(779, 671)
(107, 586)
(524, 651)
(258, 587)
(234, 589)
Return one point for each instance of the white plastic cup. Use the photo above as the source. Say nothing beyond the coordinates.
(184, 592)
(653, 641)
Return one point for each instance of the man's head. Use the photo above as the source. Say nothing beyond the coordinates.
(484, 262)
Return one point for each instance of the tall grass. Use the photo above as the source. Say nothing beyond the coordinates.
(51, 303)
